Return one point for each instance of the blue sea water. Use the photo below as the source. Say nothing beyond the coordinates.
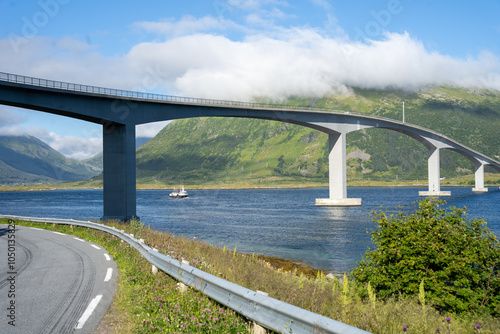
(275, 222)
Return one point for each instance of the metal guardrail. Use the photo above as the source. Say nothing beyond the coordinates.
(21, 79)
(38, 82)
(266, 311)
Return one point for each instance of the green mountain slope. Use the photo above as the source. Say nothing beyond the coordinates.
(28, 160)
(229, 150)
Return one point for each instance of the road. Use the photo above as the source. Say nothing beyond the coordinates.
(52, 282)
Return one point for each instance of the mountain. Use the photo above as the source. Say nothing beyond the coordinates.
(251, 152)
(94, 163)
(139, 141)
(28, 160)
(232, 150)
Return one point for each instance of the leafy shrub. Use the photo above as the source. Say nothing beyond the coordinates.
(457, 259)
(137, 227)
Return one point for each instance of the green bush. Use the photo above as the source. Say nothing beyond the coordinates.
(458, 259)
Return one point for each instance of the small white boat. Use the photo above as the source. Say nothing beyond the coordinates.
(178, 193)
(183, 192)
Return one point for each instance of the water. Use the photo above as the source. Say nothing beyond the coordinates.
(276, 222)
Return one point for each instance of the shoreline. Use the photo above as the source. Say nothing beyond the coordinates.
(16, 189)
(277, 263)
(491, 180)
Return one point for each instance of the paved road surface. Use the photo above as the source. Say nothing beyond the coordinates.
(59, 279)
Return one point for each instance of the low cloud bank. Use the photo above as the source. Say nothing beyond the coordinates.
(303, 62)
(287, 62)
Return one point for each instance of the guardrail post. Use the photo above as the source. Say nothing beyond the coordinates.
(258, 329)
(182, 287)
(154, 269)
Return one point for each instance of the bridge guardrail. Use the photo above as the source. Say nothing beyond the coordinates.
(269, 312)
(21, 79)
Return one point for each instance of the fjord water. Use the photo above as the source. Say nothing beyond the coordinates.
(275, 222)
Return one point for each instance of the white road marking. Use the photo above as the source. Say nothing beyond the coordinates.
(59, 233)
(79, 239)
(95, 247)
(35, 228)
(108, 258)
(108, 274)
(88, 311)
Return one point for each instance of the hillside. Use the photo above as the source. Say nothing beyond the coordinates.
(227, 150)
(28, 160)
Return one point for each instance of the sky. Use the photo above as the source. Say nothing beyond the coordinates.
(239, 50)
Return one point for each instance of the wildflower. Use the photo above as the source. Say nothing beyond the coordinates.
(437, 330)
(448, 319)
(405, 328)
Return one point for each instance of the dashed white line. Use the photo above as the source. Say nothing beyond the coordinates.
(95, 247)
(108, 258)
(79, 239)
(59, 233)
(108, 274)
(35, 228)
(88, 311)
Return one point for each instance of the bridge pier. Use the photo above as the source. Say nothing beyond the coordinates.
(119, 171)
(337, 165)
(479, 175)
(434, 175)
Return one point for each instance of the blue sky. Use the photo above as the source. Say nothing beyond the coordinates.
(239, 49)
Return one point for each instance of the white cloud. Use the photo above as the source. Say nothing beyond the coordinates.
(64, 60)
(253, 5)
(9, 118)
(295, 61)
(305, 62)
(150, 130)
(322, 3)
(186, 25)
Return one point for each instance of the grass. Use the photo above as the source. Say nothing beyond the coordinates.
(145, 300)
(147, 303)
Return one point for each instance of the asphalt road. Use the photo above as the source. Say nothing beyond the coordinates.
(52, 282)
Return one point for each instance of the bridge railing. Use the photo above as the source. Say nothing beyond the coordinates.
(21, 79)
(269, 312)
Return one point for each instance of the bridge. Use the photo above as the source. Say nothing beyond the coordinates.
(119, 111)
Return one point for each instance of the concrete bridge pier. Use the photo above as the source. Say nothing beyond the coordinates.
(434, 175)
(337, 165)
(479, 172)
(119, 171)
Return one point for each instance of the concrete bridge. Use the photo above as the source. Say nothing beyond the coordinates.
(119, 111)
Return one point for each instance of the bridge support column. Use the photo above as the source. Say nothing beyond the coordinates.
(337, 174)
(479, 171)
(434, 175)
(119, 171)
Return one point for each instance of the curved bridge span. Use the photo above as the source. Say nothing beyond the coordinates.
(119, 111)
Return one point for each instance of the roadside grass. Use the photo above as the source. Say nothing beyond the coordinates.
(148, 299)
(147, 303)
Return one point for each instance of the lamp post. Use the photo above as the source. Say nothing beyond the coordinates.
(403, 111)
